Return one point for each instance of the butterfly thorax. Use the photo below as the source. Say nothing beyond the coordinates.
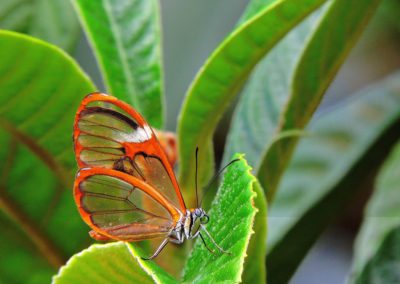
(189, 224)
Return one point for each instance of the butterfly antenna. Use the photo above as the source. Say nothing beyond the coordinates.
(195, 180)
(215, 178)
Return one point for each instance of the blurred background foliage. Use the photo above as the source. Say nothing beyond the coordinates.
(191, 30)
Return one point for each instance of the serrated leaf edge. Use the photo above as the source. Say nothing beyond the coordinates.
(255, 211)
(253, 181)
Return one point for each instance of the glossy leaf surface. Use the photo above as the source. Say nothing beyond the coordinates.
(263, 98)
(125, 36)
(41, 89)
(111, 263)
(224, 73)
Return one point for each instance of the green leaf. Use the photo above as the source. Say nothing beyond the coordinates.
(256, 116)
(384, 266)
(41, 90)
(337, 154)
(375, 249)
(223, 74)
(316, 69)
(125, 36)
(254, 265)
(232, 223)
(111, 263)
(53, 21)
(20, 262)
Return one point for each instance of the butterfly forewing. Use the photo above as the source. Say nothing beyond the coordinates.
(119, 207)
(110, 134)
(103, 133)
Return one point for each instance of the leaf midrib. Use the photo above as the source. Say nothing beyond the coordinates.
(32, 230)
(122, 54)
(53, 165)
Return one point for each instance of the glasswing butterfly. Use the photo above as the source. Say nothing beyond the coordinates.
(125, 188)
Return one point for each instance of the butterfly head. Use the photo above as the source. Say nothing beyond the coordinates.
(199, 213)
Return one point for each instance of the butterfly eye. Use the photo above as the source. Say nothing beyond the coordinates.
(204, 219)
(197, 212)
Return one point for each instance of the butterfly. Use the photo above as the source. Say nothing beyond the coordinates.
(125, 188)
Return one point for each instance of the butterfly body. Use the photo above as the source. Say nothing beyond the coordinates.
(125, 188)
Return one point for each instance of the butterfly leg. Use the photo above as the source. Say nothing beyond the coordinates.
(205, 244)
(158, 250)
(213, 241)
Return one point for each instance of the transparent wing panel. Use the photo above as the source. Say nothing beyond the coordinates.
(155, 174)
(102, 134)
(121, 209)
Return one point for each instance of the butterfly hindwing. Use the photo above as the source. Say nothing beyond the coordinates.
(120, 206)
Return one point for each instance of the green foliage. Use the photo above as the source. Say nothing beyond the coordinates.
(233, 223)
(110, 263)
(131, 58)
(233, 215)
(339, 150)
(257, 114)
(224, 73)
(41, 88)
(290, 50)
(53, 21)
(313, 74)
(265, 104)
(377, 251)
(254, 265)
(384, 266)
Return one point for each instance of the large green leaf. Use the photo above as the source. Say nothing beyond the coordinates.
(125, 36)
(314, 72)
(257, 114)
(232, 221)
(111, 263)
(53, 21)
(218, 81)
(384, 266)
(41, 90)
(326, 170)
(376, 255)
